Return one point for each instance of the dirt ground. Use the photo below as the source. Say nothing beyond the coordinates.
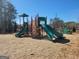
(28, 48)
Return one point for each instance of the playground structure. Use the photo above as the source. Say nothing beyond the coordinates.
(24, 29)
(67, 31)
(36, 28)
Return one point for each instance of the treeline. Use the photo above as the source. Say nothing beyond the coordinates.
(7, 17)
(59, 24)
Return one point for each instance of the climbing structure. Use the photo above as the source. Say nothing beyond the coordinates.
(37, 27)
(24, 30)
(51, 32)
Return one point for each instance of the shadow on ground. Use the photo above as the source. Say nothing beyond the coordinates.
(63, 41)
(4, 57)
(58, 40)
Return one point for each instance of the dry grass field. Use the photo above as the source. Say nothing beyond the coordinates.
(28, 48)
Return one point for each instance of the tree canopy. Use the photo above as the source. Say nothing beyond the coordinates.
(7, 16)
(57, 22)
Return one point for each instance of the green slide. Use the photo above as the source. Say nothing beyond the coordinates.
(22, 31)
(52, 33)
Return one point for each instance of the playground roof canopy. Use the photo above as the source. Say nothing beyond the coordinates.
(23, 15)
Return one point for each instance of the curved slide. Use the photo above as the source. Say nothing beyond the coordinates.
(52, 33)
(22, 31)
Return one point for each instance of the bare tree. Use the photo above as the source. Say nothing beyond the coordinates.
(57, 23)
(7, 16)
(71, 24)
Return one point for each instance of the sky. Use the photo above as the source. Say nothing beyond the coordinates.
(67, 10)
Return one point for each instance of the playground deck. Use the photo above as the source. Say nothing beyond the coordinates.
(28, 48)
